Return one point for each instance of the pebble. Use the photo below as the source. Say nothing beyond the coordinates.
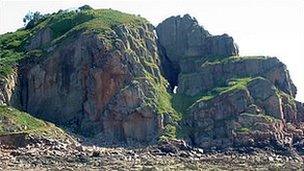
(271, 159)
(92, 157)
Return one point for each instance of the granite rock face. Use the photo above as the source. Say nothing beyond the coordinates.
(102, 86)
(182, 38)
(111, 85)
(8, 89)
(42, 37)
(241, 116)
(300, 109)
(213, 74)
(235, 101)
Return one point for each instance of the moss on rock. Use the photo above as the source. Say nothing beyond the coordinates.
(13, 121)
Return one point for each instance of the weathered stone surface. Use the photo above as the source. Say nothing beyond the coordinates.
(300, 111)
(8, 89)
(42, 37)
(265, 96)
(183, 37)
(214, 74)
(210, 119)
(97, 86)
(110, 86)
(250, 116)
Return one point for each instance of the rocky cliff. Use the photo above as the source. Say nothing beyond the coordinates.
(107, 75)
(182, 38)
(227, 100)
(104, 83)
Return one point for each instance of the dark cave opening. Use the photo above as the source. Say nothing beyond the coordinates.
(170, 70)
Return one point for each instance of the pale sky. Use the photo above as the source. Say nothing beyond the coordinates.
(259, 27)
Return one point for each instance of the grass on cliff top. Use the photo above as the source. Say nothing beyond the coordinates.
(11, 50)
(214, 60)
(62, 24)
(13, 121)
(182, 102)
(93, 20)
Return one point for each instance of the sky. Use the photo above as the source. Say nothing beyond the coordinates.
(259, 27)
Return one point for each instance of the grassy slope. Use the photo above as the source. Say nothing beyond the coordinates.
(182, 102)
(13, 121)
(11, 50)
(233, 59)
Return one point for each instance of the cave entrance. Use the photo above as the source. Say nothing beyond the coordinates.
(170, 70)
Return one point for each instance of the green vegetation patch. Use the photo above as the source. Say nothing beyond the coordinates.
(169, 132)
(219, 60)
(11, 50)
(243, 130)
(63, 25)
(88, 20)
(13, 121)
(163, 98)
(13, 41)
(233, 84)
(163, 102)
(182, 102)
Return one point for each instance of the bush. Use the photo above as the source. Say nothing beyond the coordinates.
(85, 7)
(31, 19)
(169, 133)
